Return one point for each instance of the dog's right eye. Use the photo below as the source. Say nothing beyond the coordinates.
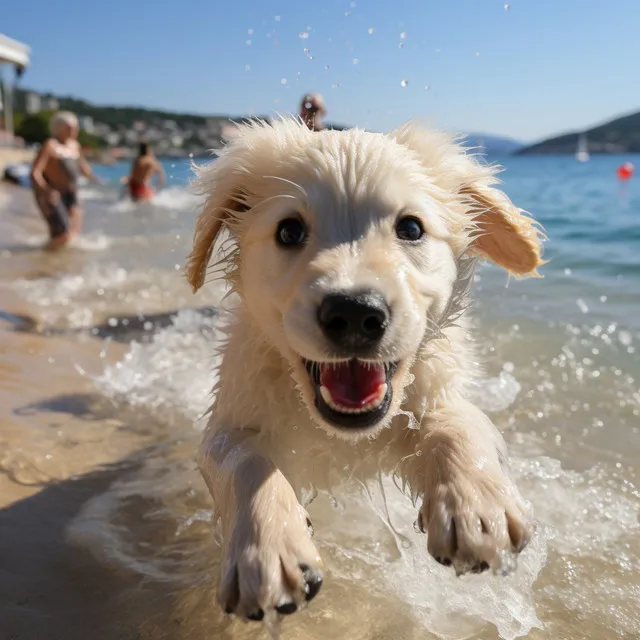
(291, 232)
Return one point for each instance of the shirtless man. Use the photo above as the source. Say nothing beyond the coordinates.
(143, 169)
(312, 110)
(54, 179)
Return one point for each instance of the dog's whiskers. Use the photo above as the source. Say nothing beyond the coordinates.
(289, 182)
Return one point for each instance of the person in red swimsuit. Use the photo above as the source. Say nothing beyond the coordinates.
(143, 169)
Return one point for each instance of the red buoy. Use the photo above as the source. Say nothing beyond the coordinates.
(625, 171)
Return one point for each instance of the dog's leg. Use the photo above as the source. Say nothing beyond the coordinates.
(471, 510)
(269, 561)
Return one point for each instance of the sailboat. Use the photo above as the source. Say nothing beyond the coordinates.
(582, 152)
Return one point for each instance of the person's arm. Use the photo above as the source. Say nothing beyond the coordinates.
(39, 165)
(161, 175)
(86, 170)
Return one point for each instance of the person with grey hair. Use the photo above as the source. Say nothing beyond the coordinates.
(54, 179)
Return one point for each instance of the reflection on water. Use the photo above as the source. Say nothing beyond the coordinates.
(107, 369)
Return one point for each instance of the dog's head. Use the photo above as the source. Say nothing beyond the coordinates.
(345, 252)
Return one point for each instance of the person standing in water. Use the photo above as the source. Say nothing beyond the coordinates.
(54, 179)
(312, 110)
(143, 169)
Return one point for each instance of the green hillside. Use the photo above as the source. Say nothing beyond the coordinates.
(621, 135)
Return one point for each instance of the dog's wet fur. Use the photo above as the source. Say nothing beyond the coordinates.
(350, 255)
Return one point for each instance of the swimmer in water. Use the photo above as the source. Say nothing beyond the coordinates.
(143, 169)
(54, 179)
(312, 110)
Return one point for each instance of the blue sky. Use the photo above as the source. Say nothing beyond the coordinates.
(537, 68)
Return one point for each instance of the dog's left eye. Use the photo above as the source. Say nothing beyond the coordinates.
(291, 232)
(409, 228)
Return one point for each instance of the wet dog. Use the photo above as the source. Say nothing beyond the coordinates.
(351, 255)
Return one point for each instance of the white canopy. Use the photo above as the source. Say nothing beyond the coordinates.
(13, 51)
(17, 54)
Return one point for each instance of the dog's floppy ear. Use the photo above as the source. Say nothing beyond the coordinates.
(223, 183)
(218, 210)
(503, 233)
(499, 230)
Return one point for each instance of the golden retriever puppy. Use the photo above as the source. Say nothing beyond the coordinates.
(347, 354)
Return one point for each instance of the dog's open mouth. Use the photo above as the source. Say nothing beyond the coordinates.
(352, 394)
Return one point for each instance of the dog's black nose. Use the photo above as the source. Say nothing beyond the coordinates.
(354, 321)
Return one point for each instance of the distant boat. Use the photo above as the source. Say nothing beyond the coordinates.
(582, 152)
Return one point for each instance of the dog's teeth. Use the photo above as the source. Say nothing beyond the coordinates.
(326, 396)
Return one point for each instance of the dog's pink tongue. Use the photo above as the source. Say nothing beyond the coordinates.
(352, 384)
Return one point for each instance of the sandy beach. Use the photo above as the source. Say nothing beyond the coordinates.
(14, 156)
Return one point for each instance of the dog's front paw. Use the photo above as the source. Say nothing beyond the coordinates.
(270, 564)
(475, 521)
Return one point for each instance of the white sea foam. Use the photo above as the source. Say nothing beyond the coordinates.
(173, 371)
(173, 198)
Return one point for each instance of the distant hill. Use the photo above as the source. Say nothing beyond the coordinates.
(493, 145)
(621, 135)
(126, 117)
(115, 117)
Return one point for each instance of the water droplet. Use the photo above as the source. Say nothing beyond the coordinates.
(283, 81)
(567, 272)
(477, 54)
(347, 14)
(625, 338)
(247, 42)
(356, 60)
(307, 52)
(401, 45)
(247, 67)
(277, 18)
(352, 5)
(427, 87)
(250, 32)
(437, 50)
(403, 35)
(335, 85)
(371, 30)
(507, 7)
(582, 305)
(303, 35)
(326, 67)
(404, 82)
